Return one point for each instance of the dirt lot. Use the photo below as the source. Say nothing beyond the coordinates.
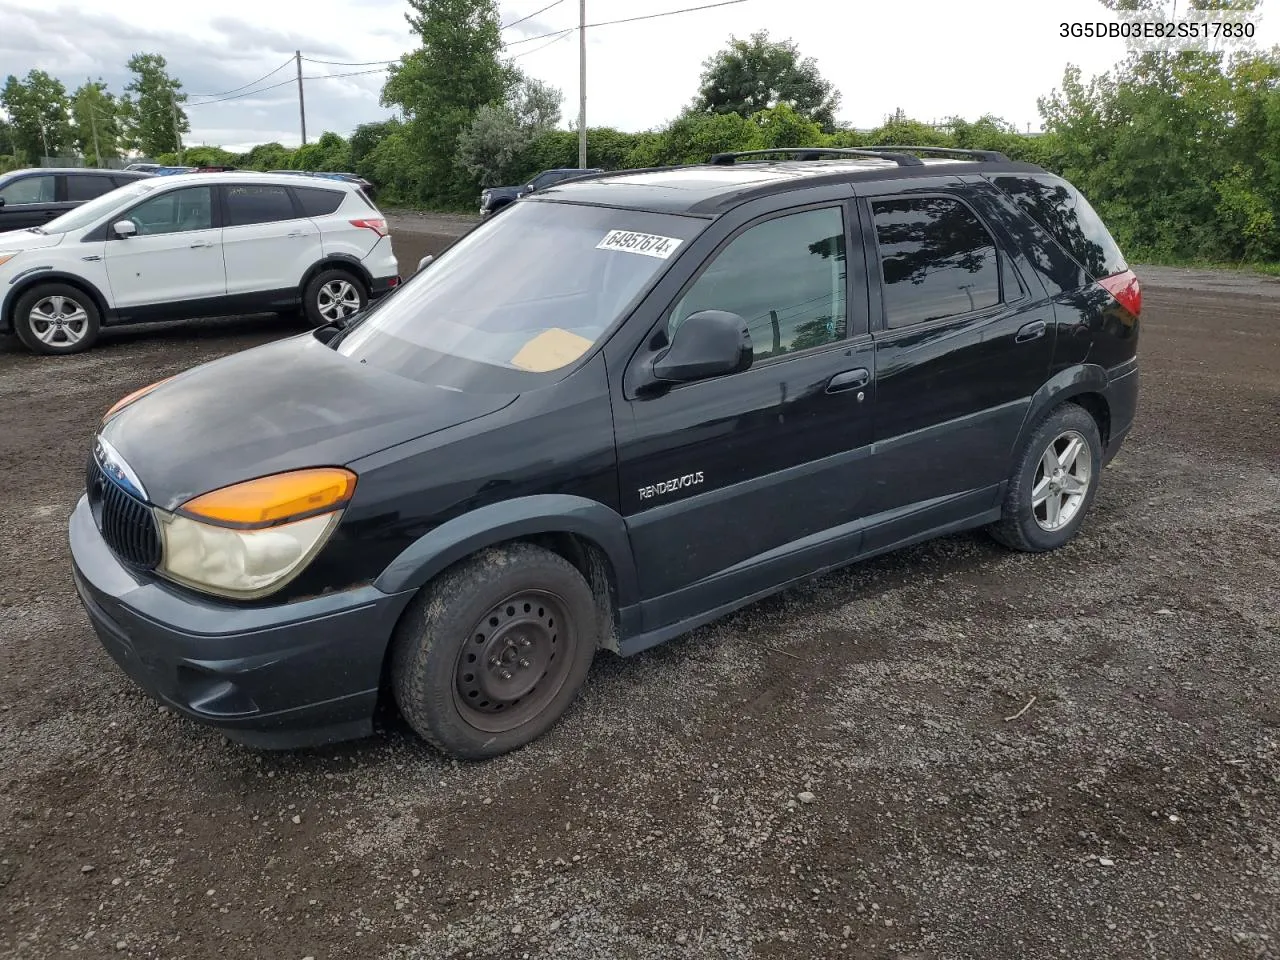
(1131, 811)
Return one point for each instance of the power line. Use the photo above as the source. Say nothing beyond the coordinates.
(285, 83)
(650, 16)
(247, 85)
(344, 63)
(561, 36)
(556, 3)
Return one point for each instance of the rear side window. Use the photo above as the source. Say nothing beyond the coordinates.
(936, 260)
(1063, 211)
(81, 188)
(257, 203)
(317, 202)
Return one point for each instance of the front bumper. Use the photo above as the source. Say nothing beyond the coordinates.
(294, 675)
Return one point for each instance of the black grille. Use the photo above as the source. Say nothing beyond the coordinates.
(127, 524)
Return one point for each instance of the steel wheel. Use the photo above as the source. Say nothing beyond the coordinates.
(58, 321)
(338, 299)
(1061, 481)
(515, 662)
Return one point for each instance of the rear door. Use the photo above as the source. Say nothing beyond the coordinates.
(268, 241)
(735, 483)
(29, 201)
(962, 342)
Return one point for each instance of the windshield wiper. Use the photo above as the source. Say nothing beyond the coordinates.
(34, 230)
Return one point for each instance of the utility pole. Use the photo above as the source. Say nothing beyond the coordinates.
(582, 84)
(177, 136)
(302, 107)
(93, 122)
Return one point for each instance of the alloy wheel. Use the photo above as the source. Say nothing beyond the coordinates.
(58, 321)
(1062, 481)
(338, 299)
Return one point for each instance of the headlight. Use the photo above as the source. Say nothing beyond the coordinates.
(6, 257)
(247, 540)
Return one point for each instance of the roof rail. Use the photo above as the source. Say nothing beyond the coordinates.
(813, 153)
(992, 155)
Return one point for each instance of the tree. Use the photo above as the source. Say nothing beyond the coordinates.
(37, 109)
(441, 86)
(151, 115)
(492, 147)
(96, 123)
(757, 74)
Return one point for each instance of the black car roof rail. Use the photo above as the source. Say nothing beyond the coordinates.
(993, 155)
(813, 153)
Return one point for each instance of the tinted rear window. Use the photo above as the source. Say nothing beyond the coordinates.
(317, 202)
(81, 188)
(258, 203)
(1063, 211)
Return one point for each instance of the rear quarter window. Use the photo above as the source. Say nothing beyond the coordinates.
(1062, 210)
(318, 202)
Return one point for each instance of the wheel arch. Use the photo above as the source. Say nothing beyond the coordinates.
(343, 261)
(588, 534)
(1085, 384)
(39, 277)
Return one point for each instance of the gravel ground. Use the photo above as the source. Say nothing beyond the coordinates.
(854, 768)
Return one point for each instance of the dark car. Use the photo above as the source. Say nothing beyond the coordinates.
(368, 188)
(701, 385)
(29, 198)
(495, 198)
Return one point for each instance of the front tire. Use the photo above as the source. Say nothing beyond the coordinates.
(56, 319)
(1053, 484)
(332, 296)
(494, 651)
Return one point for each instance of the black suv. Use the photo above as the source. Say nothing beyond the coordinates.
(495, 198)
(697, 386)
(29, 198)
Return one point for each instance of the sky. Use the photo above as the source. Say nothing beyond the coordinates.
(932, 58)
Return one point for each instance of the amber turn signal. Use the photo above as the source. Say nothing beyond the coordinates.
(128, 399)
(275, 499)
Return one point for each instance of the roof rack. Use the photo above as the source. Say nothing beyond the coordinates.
(992, 155)
(813, 153)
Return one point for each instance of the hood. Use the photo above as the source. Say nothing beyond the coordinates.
(287, 405)
(11, 240)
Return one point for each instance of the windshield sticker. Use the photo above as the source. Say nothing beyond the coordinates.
(648, 244)
(551, 350)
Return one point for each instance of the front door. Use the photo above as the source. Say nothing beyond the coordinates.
(173, 262)
(731, 483)
(961, 342)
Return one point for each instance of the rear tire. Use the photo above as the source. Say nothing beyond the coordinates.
(333, 295)
(493, 652)
(56, 319)
(1053, 484)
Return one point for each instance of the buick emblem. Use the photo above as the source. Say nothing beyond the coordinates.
(114, 466)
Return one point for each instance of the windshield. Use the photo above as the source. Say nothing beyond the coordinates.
(519, 297)
(89, 213)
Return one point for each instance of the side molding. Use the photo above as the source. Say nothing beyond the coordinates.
(523, 516)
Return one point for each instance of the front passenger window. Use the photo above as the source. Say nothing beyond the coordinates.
(28, 190)
(785, 277)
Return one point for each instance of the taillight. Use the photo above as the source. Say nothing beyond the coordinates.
(377, 226)
(1126, 289)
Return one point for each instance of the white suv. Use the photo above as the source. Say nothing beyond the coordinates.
(194, 245)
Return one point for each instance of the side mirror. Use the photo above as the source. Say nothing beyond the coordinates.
(1, 201)
(709, 343)
(124, 229)
(424, 261)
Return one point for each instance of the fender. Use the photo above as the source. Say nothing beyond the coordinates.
(522, 516)
(1068, 383)
(339, 260)
(29, 278)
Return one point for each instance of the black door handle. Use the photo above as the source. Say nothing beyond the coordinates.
(1031, 331)
(849, 380)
